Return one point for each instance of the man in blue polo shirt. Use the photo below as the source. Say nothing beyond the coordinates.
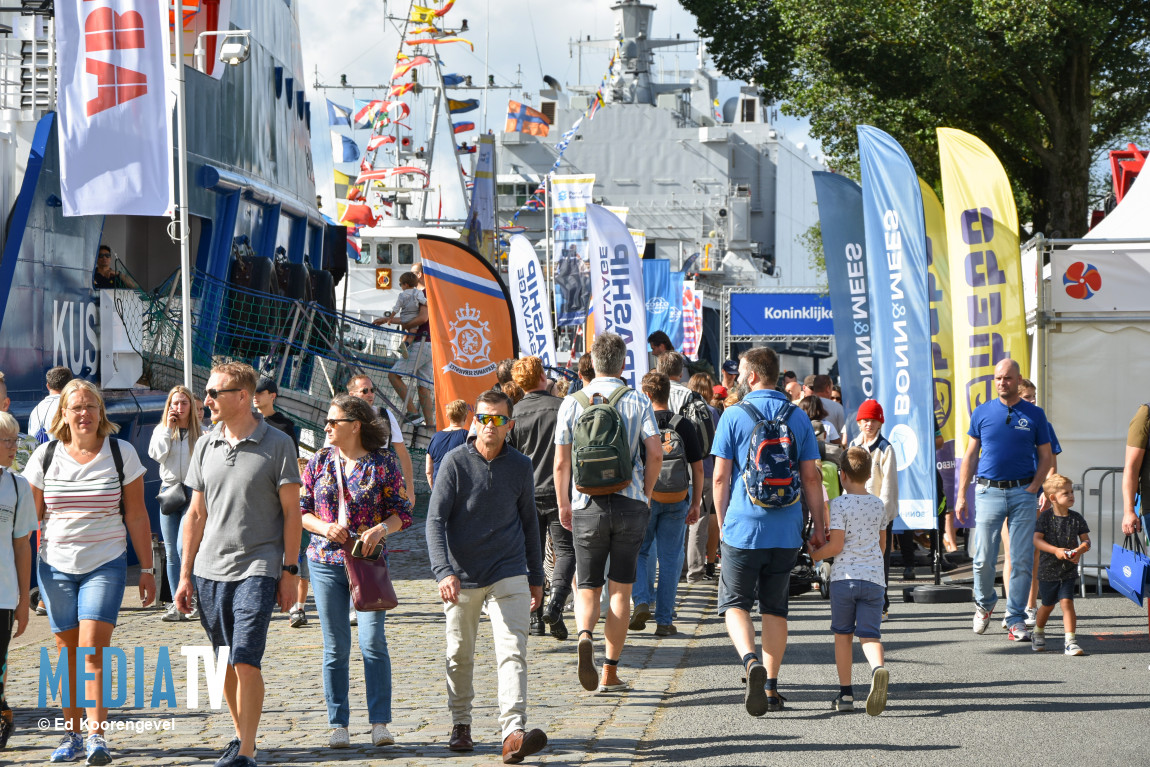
(1010, 446)
(760, 546)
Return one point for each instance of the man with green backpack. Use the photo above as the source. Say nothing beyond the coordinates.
(607, 458)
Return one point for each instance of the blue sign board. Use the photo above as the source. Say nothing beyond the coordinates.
(781, 314)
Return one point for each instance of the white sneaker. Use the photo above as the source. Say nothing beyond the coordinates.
(339, 738)
(1031, 619)
(380, 736)
(981, 620)
(173, 615)
(1072, 648)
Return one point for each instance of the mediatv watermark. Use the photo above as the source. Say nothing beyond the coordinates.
(56, 683)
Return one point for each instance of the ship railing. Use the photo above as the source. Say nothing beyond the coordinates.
(310, 351)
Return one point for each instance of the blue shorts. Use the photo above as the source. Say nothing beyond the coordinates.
(1053, 592)
(748, 574)
(304, 569)
(92, 596)
(237, 614)
(856, 608)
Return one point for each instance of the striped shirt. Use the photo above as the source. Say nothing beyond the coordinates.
(82, 527)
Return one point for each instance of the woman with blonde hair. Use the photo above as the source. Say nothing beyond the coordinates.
(171, 447)
(89, 494)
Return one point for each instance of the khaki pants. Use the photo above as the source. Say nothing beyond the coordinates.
(509, 608)
(697, 536)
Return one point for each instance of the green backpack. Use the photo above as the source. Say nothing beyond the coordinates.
(600, 451)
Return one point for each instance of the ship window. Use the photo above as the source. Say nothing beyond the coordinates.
(749, 110)
(406, 253)
(548, 110)
(383, 253)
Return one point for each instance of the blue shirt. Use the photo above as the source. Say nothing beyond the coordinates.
(1055, 446)
(747, 526)
(441, 444)
(1010, 438)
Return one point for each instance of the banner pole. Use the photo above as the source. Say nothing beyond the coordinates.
(185, 253)
(547, 232)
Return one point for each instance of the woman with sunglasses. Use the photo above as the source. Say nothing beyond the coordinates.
(89, 495)
(357, 464)
(171, 447)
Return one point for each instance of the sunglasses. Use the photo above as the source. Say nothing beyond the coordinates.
(488, 418)
(368, 390)
(333, 421)
(215, 393)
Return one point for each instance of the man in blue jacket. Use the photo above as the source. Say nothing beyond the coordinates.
(483, 542)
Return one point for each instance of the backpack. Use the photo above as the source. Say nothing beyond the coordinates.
(771, 472)
(675, 476)
(114, 444)
(696, 411)
(600, 452)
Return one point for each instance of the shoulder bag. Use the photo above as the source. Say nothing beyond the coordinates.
(368, 579)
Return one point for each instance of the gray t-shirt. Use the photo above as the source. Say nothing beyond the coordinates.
(244, 534)
(835, 414)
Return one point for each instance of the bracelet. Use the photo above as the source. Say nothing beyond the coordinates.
(147, 571)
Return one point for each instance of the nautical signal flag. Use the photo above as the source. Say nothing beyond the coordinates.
(343, 149)
(450, 81)
(399, 90)
(405, 66)
(421, 15)
(356, 214)
(337, 115)
(523, 119)
(463, 127)
(375, 142)
(342, 181)
(456, 106)
(365, 112)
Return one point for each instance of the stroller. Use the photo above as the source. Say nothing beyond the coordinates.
(806, 573)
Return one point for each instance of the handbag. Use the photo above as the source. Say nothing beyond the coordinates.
(1129, 569)
(369, 580)
(174, 499)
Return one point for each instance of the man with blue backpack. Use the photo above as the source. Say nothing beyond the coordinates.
(608, 455)
(765, 454)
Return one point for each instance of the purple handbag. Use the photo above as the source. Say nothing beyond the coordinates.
(368, 579)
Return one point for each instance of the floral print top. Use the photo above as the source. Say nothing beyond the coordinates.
(374, 491)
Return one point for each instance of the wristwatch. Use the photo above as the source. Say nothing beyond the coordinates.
(147, 571)
(292, 569)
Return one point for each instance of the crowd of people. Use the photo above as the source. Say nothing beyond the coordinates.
(631, 490)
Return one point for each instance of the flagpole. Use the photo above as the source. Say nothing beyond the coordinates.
(182, 199)
(547, 243)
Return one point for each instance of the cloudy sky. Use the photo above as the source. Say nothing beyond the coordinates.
(515, 40)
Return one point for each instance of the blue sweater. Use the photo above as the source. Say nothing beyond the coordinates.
(482, 525)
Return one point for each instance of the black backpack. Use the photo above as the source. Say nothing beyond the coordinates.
(114, 444)
(696, 410)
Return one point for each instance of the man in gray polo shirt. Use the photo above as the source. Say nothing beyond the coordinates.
(241, 542)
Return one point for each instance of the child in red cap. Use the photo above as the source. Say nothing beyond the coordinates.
(883, 480)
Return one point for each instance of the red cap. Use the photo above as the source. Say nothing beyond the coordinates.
(719, 391)
(870, 409)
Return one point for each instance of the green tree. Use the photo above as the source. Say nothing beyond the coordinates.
(1047, 84)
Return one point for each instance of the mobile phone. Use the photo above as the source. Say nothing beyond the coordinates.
(357, 551)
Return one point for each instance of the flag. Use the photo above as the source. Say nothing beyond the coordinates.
(617, 289)
(470, 317)
(343, 149)
(441, 41)
(692, 320)
(421, 15)
(337, 115)
(523, 119)
(357, 214)
(365, 112)
(462, 127)
(529, 301)
(354, 251)
(456, 107)
(986, 296)
(596, 104)
(114, 124)
(844, 253)
(663, 294)
(399, 90)
(900, 319)
(479, 230)
(375, 142)
(342, 181)
(450, 81)
(380, 174)
(442, 11)
(406, 65)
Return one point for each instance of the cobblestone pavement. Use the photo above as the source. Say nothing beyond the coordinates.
(581, 727)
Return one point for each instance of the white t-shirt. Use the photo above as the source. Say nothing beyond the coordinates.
(43, 413)
(860, 517)
(82, 528)
(16, 521)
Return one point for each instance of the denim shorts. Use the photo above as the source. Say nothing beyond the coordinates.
(750, 573)
(1053, 592)
(237, 614)
(92, 596)
(611, 526)
(856, 608)
(304, 567)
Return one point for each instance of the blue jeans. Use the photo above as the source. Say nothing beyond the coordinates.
(172, 529)
(1019, 509)
(332, 599)
(92, 596)
(667, 531)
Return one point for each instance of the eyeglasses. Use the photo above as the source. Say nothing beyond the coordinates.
(489, 418)
(10, 442)
(333, 421)
(78, 409)
(215, 393)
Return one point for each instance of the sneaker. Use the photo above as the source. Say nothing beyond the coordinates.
(666, 631)
(70, 749)
(380, 736)
(755, 696)
(709, 571)
(231, 750)
(1072, 648)
(97, 751)
(640, 616)
(981, 620)
(173, 615)
(908, 574)
(351, 616)
(41, 609)
(1018, 633)
(1005, 625)
(6, 726)
(876, 700)
(339, 738)
(1038, 641)
(843, 703)
(588, 674)
(1031, 619)
(297, 618)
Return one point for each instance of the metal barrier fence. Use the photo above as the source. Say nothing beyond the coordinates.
(1106, 526)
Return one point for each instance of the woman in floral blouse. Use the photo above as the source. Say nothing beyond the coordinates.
(376, 506)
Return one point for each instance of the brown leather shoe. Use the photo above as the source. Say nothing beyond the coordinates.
(461, 738)
(519, 745)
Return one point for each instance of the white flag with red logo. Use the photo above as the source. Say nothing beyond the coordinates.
(114, 117)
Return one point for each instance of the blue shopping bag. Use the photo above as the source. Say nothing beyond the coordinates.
(1129, 570)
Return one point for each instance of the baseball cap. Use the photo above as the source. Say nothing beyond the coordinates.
(267, 385)
(730, 367)
(719, 390)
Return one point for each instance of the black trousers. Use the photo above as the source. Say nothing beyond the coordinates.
(564, 549)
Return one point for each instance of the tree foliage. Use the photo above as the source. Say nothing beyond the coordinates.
(1046, 84)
